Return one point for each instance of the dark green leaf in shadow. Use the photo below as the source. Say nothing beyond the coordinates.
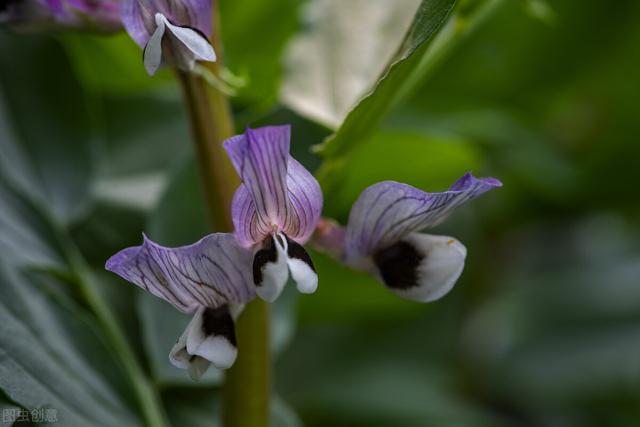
(43, 362)
(49, 154)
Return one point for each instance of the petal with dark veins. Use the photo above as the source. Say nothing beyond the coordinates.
(388, 211)
(212, 272)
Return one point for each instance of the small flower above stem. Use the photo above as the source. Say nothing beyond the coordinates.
(172, 32)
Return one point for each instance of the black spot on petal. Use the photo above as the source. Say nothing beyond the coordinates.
(398, 265)
(295, 250)
(267, 254)
(218, 321)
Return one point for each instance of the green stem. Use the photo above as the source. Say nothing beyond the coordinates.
(145, 392)
(246, 392)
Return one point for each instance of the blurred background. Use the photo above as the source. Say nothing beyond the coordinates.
(543, 328)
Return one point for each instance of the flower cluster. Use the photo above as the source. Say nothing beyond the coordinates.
(275, 212)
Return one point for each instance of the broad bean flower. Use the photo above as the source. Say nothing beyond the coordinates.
(34, 15)
(382, 236)
(275, 210)
(170, 31)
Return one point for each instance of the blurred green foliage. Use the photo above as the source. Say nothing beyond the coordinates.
(543, 329)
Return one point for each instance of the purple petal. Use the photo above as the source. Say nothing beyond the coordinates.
(249, 227)
(386, 212)
(138, 22)
(138, 16)
(199, 12)
(305, 197)
(278, 193)
(212, 272)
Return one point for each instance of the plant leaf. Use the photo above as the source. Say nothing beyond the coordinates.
(52, 161)
(45, 364)
(345, 47)
(363, 118)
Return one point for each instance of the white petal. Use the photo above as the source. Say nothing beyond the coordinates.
(152, 56)
(215, 348)
(306, 279)
(439, 263)
(302, 269)
(194, 41)
(178, 355)
(274, 275)
(218, 350)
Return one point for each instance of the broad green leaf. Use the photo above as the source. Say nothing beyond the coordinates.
(24, 233)
(46, 146)
(53, 354)
(365, 116)
(343, 48)
(8, 410)
(46, 360)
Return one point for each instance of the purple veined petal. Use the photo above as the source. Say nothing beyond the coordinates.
(305, 197)
(260, 157)
(278, 193)
(200, 15)
(386, 212)
(138, 16)
(249, 227)
(138, 21)
(212, 272)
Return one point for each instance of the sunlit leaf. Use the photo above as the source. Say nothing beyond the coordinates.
(343, 48)
(364, 117)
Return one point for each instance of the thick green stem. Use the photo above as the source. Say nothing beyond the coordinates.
(247, 384)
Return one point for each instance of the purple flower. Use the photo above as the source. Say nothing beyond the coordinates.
(382, 236)
(99, 15)
(275, 210)
(170, 31)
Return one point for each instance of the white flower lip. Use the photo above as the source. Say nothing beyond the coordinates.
(186, 46)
